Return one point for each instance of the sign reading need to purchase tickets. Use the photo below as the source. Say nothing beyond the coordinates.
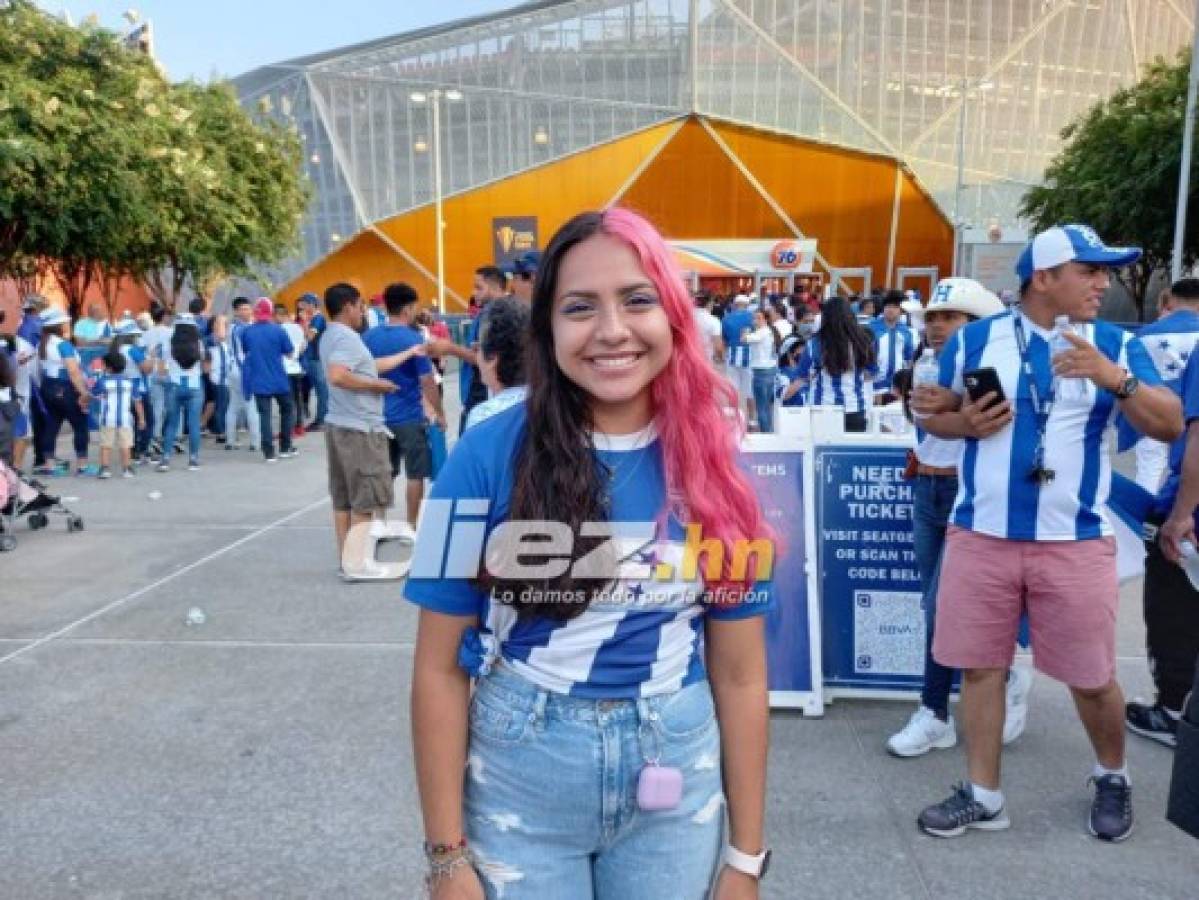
(873, 622)
(511, 236)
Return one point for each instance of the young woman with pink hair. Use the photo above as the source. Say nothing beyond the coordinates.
(621, 705)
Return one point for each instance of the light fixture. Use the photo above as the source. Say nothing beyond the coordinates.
(418, 97)
(420, 145)
(316, 158)
(453, 95)
(335, 237)
(541, 136)
(986, 85)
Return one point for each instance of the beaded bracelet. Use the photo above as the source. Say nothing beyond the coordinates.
(435, 850)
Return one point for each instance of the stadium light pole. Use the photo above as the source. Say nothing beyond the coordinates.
(964, 87)
(434, 98)
(1184, 170)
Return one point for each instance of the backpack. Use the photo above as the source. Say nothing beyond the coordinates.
(185, 345)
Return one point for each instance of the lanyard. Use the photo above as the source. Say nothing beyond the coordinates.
(1042, 409)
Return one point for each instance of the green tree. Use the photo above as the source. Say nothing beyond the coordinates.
(232, 196)
(108, 171)
(1118, 172)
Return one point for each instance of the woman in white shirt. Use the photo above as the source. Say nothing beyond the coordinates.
(64, 388)
(291, 363)
(763, 343)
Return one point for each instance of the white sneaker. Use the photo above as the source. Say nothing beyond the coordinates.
(368, 571)
(1019, 686)
(924, 732)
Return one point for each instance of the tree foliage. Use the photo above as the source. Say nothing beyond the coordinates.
(1118, 172)
(107, 170)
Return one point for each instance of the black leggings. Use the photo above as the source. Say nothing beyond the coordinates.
(62, 405)
(297, 397)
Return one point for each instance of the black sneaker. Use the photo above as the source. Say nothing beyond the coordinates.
(1152, 722)
(1111, 810)
(961, 811)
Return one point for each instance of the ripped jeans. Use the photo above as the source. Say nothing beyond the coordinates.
(551, 793)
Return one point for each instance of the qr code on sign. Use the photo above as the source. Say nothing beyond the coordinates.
(888, 632)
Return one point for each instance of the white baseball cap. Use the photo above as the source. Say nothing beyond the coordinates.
(1071, 243)
(52, 316)
(963, 295)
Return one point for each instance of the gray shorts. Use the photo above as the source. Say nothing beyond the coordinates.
(410, 445)
(359, 470)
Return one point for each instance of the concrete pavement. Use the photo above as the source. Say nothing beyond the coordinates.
(266, 753)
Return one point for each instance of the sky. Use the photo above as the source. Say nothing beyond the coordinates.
(202, 38)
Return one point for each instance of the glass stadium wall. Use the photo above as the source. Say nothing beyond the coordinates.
(847, 120)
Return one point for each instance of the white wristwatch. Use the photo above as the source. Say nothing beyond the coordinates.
(754, 866)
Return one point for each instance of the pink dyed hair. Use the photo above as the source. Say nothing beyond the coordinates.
(700, 443)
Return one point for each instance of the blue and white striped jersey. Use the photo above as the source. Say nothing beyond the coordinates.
(134, 357)
(1170, 341)
(641, 640)
(850, 390)
(223, 365)
(894, 349)
(58, 351)
(997, 494)
(732, 327)
(117, 393)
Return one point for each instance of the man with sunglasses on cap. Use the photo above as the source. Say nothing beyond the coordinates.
(1029, 531)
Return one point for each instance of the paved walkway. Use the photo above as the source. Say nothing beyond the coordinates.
(266, 754)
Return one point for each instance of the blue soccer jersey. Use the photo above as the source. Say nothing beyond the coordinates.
(641, 638)
(851, 390)
(997, 494)
(116, 394)
(894, 348)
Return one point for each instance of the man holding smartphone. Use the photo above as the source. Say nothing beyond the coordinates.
(1028, 530)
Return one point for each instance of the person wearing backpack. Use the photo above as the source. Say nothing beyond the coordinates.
(184, 391)
(263, 346)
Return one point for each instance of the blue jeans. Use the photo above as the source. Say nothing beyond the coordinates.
(220, 409)
(550, 800)
(764, 380)
(315, 374)
(182, 401)
(933, 498)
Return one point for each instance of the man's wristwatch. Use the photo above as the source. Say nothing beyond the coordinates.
(1129, 385)
(746, 863)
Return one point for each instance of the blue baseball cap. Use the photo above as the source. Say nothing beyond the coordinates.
(1071, 243)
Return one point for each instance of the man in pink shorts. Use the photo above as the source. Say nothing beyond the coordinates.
(1028, 531)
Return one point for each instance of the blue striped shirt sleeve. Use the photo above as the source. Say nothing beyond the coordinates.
(1135, 358)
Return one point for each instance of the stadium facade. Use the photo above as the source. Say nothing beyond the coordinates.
(864, 124)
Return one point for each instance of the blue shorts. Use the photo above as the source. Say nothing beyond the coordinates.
(20, 425)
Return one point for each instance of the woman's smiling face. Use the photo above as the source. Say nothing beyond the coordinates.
(611, 334)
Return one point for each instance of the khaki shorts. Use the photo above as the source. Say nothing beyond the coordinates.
(360, 477)
(118, 438)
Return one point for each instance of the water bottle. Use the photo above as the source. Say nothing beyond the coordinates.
(926, 373)
(1189, 560)
(1067, 388)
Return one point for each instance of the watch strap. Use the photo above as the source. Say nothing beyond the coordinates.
(746, 863)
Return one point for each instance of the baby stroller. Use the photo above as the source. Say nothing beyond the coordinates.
(19, 498)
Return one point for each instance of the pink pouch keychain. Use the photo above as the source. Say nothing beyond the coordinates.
(658, 787)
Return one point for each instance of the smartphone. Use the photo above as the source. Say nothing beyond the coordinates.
(981, 382)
